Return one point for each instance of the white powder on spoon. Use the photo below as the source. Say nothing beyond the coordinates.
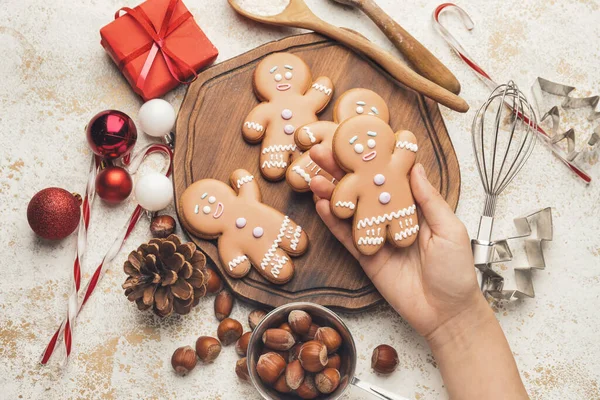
(263, 7)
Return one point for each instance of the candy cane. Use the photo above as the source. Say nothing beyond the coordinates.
(485, 77)
(74, 306)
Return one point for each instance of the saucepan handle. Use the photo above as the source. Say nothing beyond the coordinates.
(376, 391)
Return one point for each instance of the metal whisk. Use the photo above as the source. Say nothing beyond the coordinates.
(501, 146)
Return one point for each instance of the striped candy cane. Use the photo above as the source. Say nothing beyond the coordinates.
(462, 53)
(74, 305)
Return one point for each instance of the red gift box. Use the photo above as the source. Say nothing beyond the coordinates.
(157, 45)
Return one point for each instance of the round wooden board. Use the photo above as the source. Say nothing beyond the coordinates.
(209, 144)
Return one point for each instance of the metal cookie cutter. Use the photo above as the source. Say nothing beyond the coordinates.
(533, 229)
(543, 87)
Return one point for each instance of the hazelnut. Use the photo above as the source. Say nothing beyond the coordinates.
(294, 374)
(330, 338)
(311, 332)
(183, 360)
(300, 321)
(214, 284)
(283, 354)
(327, 380)
(162, 226)
(241, 369)
(269, 367)
(255, 317)
(334, 361)
(313, 356)
(294, 351)
(223, 304)
(286, 327)
(308, 389)
(207, 348)
(384, 359)
(229, 331)
(241, 346)
(281, 386)
(278, 339)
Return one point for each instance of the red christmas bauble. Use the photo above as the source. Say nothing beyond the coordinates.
(53, 213)
(111, 134)
(114, 184)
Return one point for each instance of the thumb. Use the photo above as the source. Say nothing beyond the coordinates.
(438, 214)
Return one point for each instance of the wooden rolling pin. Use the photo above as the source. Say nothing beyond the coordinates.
(421, 59)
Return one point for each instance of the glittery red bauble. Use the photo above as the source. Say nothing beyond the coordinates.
(111, 134)
(53, 213)
(114, 184)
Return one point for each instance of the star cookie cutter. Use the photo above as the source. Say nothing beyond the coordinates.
(578, 154)
(532, 229)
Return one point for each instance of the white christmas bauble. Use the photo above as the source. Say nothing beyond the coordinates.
(157, 117)
(154, 191)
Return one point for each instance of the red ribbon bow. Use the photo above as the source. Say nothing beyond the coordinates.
(174, 63)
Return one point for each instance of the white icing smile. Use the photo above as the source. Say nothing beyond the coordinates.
(370, 156)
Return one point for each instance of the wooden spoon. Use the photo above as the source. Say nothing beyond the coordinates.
(297, 14)
(422, 60)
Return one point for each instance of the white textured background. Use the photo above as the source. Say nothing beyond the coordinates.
(55, 76)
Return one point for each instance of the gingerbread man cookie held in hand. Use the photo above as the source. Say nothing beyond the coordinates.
(248, 231)
(376, 188)
(350, 104)
(290, 99)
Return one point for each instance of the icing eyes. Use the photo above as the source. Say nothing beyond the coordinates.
(277, 77)
(212, 199)
(359, 110)
(206, 210)
(359, 148)
(371, 143)
(288, 75)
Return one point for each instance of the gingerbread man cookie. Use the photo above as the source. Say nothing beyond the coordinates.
(376, 188)
(350, 104)
(290, 99)
(248, 231)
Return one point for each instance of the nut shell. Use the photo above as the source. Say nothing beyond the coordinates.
(215, 284)
(255, 317)
(286, 326)
(311, 332)
(207, 348)
(269, 367)
(294, 351)
(308, 389)
(241, 346)
(327, 380)
(330, 338)
(334, 361)
(294, 374)
(300, 321)
(241, 369)
(384, 359)
(278, 339)
(223, 304)
(229, 331)
(162, 226)
(183, 360)
(313, 356)
(281, 386)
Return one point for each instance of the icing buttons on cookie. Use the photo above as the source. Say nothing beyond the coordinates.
(258, 232)
(206, 209)
(371, 143)
(212, 199)
(379, 179)
(359, 148)
(289, 129)
(286, 113)
(240, 222)
(385, 197)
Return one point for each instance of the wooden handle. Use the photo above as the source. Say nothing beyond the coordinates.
(422, 60)
(391, 64)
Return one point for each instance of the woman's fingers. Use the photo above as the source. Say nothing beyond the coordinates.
(322, 187)
(324, 158)
(340, 229)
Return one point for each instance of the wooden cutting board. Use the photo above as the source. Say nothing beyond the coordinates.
(209, 144)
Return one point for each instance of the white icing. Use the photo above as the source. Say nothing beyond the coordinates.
(371, 143)
(375, 110)
(289, 129)
(236, 261)
(353, 139)
(287, 66)
(244, 179)
(322, 88)
(273, 69)
(406, 233)
(276, 164)
(359, 110)
(286, 113)
(277, 264)
(408, 146)
(379, 179)
(212, 199)
(240, 222)
(361, 103)
(288, 75)
(371, 133)
(386, 217)
(347, 204)
(203, 196)
(206, 209)
(359, 148)
(271, 252)
(258, 232)
(302, 173)
(370, 240)
(196, 209)
(296, 238)
(254, 125)
(278, 148)
(310, 135)
(385, 197)
(278, 78)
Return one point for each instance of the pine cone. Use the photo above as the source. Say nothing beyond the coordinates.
(166, 275)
